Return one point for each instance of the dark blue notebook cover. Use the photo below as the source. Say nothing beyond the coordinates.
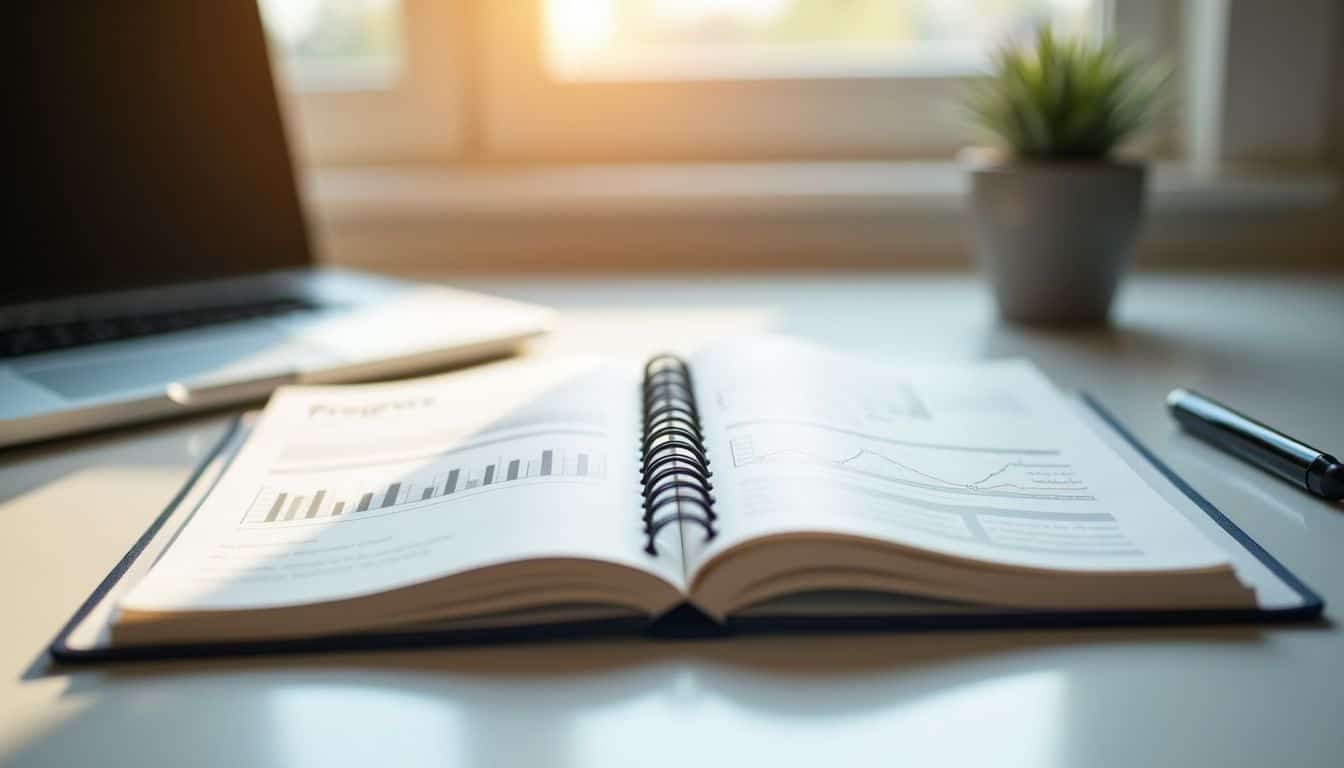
(686, 621)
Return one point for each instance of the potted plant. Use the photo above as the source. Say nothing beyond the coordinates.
(1056, 214)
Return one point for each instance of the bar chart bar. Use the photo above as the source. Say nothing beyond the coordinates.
(427, 493)
(317, 502)
(451, 485)
(546, 462)
(513, 470)
(293, 507)
(391, 497)
(583, 465)
(489, 475)
(338, 509)
(275, 508)
(364, 502)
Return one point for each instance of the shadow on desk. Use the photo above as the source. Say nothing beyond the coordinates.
(524, 703)
(1112, 345)
(807, 654)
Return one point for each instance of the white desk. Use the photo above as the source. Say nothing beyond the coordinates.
(1123, 697)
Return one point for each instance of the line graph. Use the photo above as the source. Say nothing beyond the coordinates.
(981, 484)
(974, 475)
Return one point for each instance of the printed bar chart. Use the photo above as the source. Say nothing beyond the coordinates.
(317, 503)
(293, 507)
(275, 508)
(426, 485)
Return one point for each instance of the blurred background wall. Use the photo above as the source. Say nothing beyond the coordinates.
(649, 135)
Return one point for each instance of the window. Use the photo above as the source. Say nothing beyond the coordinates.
(335, 44)
(368, 80)
(611, 40)
(741, 79)
(487, 124)
(389, 80)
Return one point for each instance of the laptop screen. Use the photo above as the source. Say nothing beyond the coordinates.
(149, 149)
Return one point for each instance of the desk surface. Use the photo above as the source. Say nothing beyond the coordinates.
(1210, 696)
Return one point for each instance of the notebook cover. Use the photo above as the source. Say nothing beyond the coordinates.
(686, 621)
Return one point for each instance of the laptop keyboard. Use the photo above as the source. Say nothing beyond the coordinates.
(48, 337)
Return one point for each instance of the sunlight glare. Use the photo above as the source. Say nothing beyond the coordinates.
(693, 11)
(579, 27)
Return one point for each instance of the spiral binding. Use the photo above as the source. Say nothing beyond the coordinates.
(675, 472)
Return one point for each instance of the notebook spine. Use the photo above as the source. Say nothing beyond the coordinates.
(675, 472)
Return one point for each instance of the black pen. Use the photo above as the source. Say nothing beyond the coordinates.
(1273, 451)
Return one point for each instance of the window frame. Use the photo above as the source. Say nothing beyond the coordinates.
(473, 88)
(416, 112)
(526, 116)
(467, 205)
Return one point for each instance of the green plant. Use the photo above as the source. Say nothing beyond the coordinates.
(1065, 98)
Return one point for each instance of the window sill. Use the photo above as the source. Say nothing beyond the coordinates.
(625, 215)
(785, 188)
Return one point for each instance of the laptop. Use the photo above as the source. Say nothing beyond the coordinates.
(159, 261)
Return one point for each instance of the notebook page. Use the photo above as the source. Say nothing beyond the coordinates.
(979, 460)
(353, 490)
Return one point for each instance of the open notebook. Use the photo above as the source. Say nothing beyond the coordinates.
(762, 483)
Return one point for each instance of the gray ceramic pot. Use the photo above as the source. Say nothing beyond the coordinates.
(1055, 238)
